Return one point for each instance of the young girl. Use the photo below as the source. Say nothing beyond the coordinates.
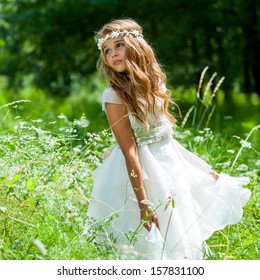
(150, 192)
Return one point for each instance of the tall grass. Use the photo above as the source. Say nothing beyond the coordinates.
(46, 180)
(46, 169)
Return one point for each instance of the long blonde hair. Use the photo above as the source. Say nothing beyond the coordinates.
(143, 78)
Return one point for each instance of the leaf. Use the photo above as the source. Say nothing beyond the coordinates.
(31, 201)
(15, 179)
(169, 201)
(250, 239)
(30, 185)
(173, 203)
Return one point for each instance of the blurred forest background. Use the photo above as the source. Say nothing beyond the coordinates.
(48, 55)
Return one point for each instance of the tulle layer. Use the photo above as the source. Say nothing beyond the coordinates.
(190, 204)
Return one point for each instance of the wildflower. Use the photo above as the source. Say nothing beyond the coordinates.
(230, 151)
(77, 149)
(187, 132)
(104, 133)
(226, 164)
(133, 174)
(242, 167)
(37, 121)
(245, 144)
(198, 139)
(83, 122)
(62, 117)
(147, 202)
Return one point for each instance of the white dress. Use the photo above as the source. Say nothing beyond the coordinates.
(190, 204)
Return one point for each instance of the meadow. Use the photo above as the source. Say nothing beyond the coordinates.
(49, 148)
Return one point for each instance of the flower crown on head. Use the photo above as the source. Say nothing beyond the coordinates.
(115, 34)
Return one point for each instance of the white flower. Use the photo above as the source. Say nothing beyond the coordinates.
(226, 164)
(37, 121)
(242, 167)
(101, 42)
(82, 122)
(115, 34)
(147, 202)
(198, 139)
(135, 32)
(245, 144)
(133, 174)
(62, 117)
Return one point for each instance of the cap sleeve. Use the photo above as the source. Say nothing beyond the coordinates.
(110, 96)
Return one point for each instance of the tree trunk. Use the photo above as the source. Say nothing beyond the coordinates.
(251, 47)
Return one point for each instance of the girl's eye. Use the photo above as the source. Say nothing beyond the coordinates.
(120, 45)
(107, 51)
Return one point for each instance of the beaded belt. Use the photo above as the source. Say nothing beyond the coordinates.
(157, 132)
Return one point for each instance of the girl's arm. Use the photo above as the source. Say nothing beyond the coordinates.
(119, 122)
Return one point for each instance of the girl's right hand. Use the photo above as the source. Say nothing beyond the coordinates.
(148, 217)
(214, 174)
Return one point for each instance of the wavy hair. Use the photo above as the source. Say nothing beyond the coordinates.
(144, 76)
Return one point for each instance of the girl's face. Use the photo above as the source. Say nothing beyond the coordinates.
(114, 52)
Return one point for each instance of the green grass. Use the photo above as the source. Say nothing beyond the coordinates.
(46, 164)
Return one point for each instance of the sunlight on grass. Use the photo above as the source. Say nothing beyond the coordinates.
(49, 148)
(46, 180)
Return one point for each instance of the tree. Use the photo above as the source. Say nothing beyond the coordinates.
(51, 42)
(251, 55)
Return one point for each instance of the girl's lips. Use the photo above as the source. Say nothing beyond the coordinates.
(117, 62)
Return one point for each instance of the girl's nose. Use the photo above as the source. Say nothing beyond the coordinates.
(114, 53)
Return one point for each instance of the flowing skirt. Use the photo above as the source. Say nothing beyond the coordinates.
(190, 204)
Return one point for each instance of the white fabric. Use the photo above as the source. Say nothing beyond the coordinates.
(110, 96)
(202, 205)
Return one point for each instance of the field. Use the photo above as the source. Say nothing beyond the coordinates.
(50, 147)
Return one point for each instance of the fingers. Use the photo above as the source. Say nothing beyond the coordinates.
(152, 219)
(148, 217)
(214, 174)
(148, 225)
(155, 220)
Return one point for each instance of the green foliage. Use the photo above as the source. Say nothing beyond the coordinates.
(46, 180)
(84, 100)
(45, 183)
(50, 43)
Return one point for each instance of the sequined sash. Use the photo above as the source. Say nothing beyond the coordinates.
(157, 132)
